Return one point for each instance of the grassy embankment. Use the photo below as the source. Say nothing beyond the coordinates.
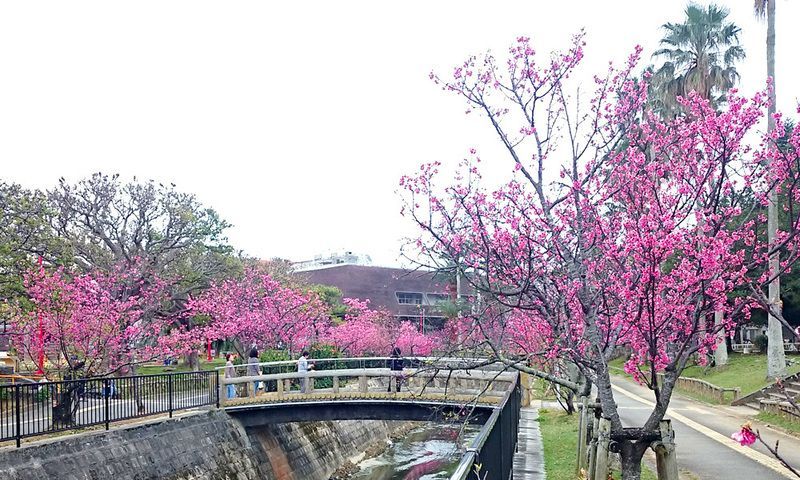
(748, 372)
(560, 438)
(785, 423)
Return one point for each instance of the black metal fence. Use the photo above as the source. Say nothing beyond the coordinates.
(32, 409)
(490, 456)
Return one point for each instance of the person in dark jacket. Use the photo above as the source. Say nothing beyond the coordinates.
(396, 365)
(253, 368)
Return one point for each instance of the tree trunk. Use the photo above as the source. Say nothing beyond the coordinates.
(570, 402)
(721, 353)
(776, 359)
(137, 398)
(193, 361)
(631, 453)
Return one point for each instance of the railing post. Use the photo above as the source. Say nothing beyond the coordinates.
(582, 421)
(593, 447)
(169, 388)
(106, 395)
(279, 386)
(362, 383)
(502, 437)
(603, 440)
(18, 417)
(666, 459)
(335, 384)
(216, 386)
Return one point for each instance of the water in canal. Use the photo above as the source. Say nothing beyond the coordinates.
(429, 452)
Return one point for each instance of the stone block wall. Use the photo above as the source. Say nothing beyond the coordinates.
(204, 446)
(313, 450)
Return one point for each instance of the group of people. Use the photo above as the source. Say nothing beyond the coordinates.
(396, 365)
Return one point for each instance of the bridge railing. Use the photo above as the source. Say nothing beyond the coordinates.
(325, 381)
(32, 409)
(420, 381)
(287, 366)
(491, 453)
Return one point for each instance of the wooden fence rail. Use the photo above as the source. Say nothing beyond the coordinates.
(704, 388)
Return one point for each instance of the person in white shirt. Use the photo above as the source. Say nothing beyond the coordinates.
(303, 367)
(230, 372)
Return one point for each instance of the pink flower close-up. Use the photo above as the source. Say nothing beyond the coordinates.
(745, 436)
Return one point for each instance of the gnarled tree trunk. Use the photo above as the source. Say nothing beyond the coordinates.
(631, 453)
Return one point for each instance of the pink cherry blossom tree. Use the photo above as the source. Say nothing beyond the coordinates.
(615, 228)
(257, 310)
(367, 331)
(104, 321)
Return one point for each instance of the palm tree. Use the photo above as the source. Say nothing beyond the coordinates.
(699, 54)
(776, 359)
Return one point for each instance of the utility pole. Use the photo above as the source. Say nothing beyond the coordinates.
(776, 359)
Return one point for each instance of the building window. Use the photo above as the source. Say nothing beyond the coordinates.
(409, 298)
(437, 298)
(433, 324)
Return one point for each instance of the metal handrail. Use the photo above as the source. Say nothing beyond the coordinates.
(55, 406)
(464, 467)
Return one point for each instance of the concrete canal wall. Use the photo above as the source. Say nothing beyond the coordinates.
(206, 445)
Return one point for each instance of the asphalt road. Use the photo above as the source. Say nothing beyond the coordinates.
(702, 435)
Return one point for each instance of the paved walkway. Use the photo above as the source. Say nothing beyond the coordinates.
(529, 459)
(702, 435)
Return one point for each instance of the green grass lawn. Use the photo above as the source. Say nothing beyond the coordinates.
(748, 372)
(560, 437)
(792, 426)
(182, 367)
(541, 389)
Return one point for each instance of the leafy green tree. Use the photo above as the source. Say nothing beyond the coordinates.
(106, 222)
(332, 297)
(25, 236)
(700, 55)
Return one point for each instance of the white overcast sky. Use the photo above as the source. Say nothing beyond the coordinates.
(294, 120)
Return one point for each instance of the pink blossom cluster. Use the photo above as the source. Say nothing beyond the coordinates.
(257, 310)
(105, 320)
(376, 332)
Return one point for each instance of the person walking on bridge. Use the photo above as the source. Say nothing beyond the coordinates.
(230, 372)
(396, 365)
(253, 368)
(303, 367)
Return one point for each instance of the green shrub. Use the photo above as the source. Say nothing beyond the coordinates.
(43, 394)
(274, 355)
(761, 342)
(323, 350)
